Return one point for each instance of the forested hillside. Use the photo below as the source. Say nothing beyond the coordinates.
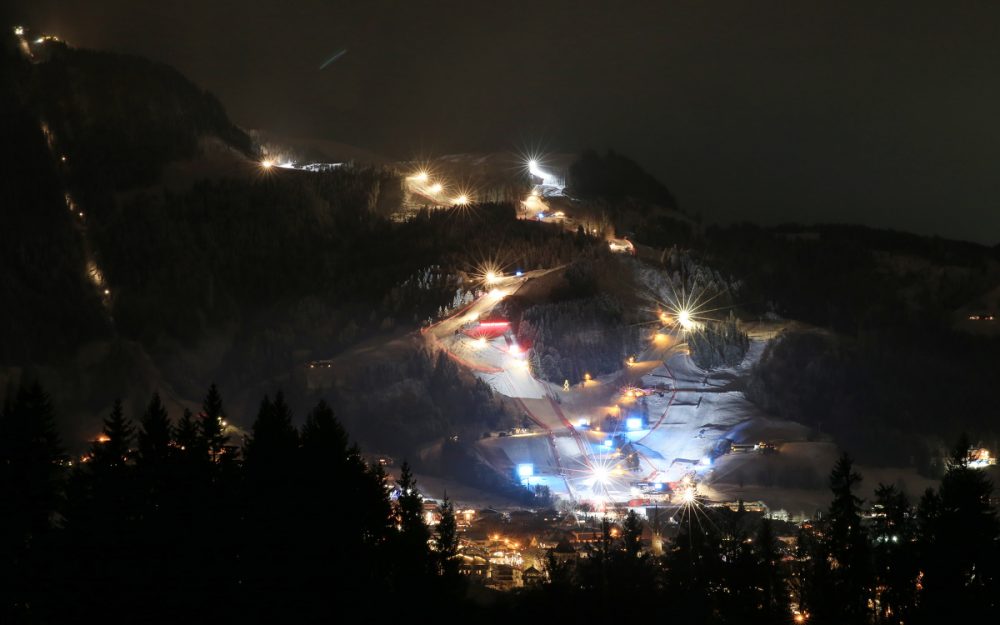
(241, 277)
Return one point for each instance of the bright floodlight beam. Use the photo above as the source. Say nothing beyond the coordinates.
(600, 474)
(267, 163)
(684, 318)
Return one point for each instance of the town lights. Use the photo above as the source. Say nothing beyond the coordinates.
(462, 200)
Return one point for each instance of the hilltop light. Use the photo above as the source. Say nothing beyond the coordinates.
(267, 163)
(19, 31)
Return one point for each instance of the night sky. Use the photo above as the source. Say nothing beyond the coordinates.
(886, 115)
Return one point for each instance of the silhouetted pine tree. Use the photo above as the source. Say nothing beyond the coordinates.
(158, 475)
(154, 435)
(101, 523)
(345, 519)
(632, 535)
(771, 578)
(413, 561)
(847, 547)
(111, 451)
(186, 434)
(211, 431)
(694, 568)
(959, 532)
(30, 488)
(272, 513)
(893, 556)
(446, 542)
(209, 511)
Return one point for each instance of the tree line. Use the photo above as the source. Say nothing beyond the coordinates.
(887, 563)
(163, 520)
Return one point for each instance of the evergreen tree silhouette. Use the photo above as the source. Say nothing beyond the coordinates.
(413, 561)
(155, 435)
(447, 540)
(771, 578)
(893, 555)
(632, 535)
(186, 434)
(31, 479)
(111, 450)
(269, 567)
(102, 521)
(159, 477)
(959, 532)
(847, 547)
(211, 432)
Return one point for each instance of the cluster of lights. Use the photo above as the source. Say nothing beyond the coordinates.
(422, 179)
